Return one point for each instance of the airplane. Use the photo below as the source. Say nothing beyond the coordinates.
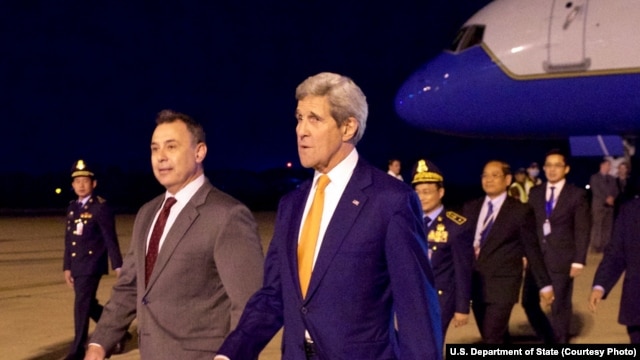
(544, 69)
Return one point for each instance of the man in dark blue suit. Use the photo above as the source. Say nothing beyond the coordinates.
(562, 223)
(621, 256)
(450, 241)
(90, 239)
(369, 265)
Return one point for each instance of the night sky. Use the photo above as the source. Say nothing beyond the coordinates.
(86, 79)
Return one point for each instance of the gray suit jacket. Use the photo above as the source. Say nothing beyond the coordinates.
(209, 265)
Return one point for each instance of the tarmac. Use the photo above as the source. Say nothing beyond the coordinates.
(36, 306)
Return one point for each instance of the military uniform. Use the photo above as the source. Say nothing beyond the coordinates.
(450, 251)
(451, 254)
(90, 239)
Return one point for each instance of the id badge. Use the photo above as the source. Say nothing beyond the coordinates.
(546, 228)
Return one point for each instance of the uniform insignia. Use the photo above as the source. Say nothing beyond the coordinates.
(86, 215)
(440, 234)
(101, 200)
(456, 218)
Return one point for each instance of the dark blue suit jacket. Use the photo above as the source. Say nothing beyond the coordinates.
(452, 260)
(623, 255)
(86, 253)
(372, 264)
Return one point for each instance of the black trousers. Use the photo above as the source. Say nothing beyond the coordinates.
(556, 328)
(493, 321)
(86, 307)
(634, 334)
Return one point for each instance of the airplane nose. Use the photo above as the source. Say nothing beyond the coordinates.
(420, 99)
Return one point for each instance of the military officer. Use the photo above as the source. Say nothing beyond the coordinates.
(90, 238)
(450, 245)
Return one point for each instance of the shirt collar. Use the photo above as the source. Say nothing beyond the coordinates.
(434, 213)
(186, 193)
(558, 186)
(497, 201)
(341, 174)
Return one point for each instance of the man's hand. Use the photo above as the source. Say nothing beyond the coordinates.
(595, 298)
(460, 319)
(610, 200)
(95, 352)
(546, 298)
(68, 278)
(118, 271)
(575, 271)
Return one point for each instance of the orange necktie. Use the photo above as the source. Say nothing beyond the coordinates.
(309, 235)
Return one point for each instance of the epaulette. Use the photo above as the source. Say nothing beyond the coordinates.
(456, 218)
(101, 199)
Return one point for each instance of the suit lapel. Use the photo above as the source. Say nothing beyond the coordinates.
(562, 201)
(349, 206)
(500, 222)
(176, 233)
(295, 211)
(143, 234)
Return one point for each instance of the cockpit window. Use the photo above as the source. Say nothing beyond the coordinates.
(467, 37)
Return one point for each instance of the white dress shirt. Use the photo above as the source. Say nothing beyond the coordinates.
(497, 205)
(182, 198)
(339, 176)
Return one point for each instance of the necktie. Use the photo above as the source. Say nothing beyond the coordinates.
(549, 204)
(156, 234)
(309, 235)
(427, 221)
(488, 223)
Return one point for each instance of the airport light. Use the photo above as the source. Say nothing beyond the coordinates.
(58, 191)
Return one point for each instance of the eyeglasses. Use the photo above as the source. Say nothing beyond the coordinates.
(492, 176)
(554, 165)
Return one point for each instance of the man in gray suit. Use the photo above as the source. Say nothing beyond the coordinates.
(187, 280)
(604, 191)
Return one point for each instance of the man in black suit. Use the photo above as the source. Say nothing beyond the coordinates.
(90, 238)
(504, 234)
(621, 256)
(562, 222)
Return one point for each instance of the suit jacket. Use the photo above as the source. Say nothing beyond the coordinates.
(209, 265)
(372, 263)
(89, 237)
(622, 256)
(570, 221)
(601, 187)
(451, 252)
(499, 264)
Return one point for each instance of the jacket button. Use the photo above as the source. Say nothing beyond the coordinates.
(73, 254)
(304, 310)
(440, 292)
(73, 243)
(90, 252)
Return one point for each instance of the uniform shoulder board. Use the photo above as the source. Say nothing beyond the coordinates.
(456, 218)
(101, 200)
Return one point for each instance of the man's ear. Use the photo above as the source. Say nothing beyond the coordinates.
(349, 128)
(201, 152)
